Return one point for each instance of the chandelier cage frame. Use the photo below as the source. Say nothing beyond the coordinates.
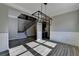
(42, 17)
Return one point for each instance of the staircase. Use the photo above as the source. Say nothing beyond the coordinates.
(33, 18)
(29, 18)
(29, 25)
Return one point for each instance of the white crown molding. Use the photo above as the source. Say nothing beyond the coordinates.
(60, 13)
(53, 14)
(17, 7)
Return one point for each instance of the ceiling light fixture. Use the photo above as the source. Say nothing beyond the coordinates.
(41, 15)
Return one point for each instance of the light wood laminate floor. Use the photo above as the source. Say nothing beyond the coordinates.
(57, 50)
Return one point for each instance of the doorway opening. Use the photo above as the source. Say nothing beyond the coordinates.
(46, 30)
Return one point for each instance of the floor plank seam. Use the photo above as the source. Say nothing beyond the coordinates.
(32, 51)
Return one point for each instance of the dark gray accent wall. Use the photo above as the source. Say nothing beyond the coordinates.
(3, 28)
(3, 18)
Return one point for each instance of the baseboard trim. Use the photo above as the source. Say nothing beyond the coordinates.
(5, 53)
(31, 36)
(71, 38)
(17, 39)
(63, 43)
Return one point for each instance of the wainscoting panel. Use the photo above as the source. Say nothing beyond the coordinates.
(71, 38)
(4, 42)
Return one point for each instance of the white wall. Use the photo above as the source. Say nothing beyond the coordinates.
(39, 31)
(13, 30)
(65, 28)
(4, 44)
(13, 25)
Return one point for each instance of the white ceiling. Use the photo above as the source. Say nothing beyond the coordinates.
(52, 8)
